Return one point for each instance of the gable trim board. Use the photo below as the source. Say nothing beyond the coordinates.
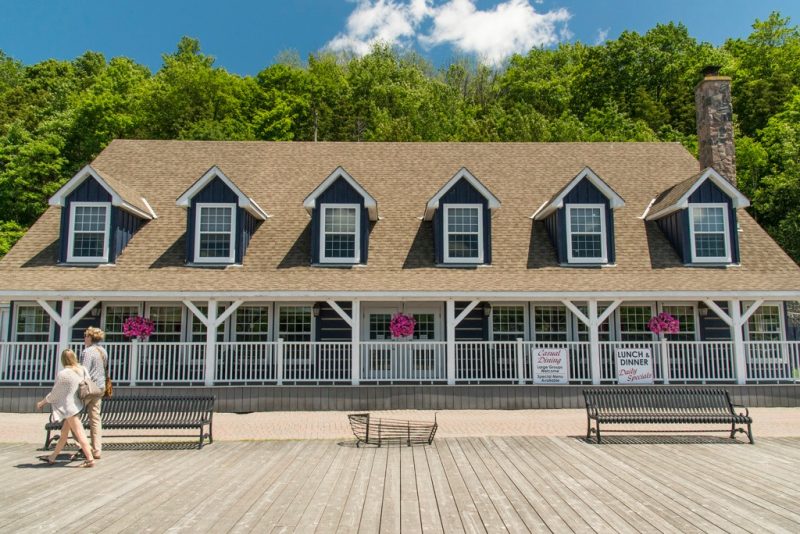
(684, 190)
(244, 201)
(492, 202)
(310, 202)
(557, 201)
(132, 202)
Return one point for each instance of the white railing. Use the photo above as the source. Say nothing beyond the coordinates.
(772, 361)
(246, 362)
(403, 361)
(24, 362)
(169, 363)
(317, 361)
(700, 362)
(486, 361)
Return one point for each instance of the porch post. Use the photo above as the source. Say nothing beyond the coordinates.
(450, 308)
(594, 342)
(211, 342)
(355, 328)
(737, 322)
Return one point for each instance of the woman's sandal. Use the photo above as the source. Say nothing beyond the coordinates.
(46, 458)
(88, 463)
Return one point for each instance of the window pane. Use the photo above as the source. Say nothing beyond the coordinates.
(585, 220)
(685, 317)
(463, 245)
(587, 246)
(425, 327)
(340, 220)
(765, 324)
(215, 245)
(508, 322)
(252, 323)
(709, 219)
(88, 245)
(215, 219)
(90, 219)
(462, 220)
(633, 323)
(379, 325)
(33, 324)
(167, 322)
(710, 245)
(550, 323)
(294, 323)
(199, 329)
(115, 318)
(340, 246)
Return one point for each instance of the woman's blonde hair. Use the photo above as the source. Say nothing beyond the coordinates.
(95, 333)
(68, 358)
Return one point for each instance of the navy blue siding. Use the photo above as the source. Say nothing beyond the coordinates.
(87, 321)
(555, 228)
(792, 328)
(462, 192)
(475, 326)
(675, 227)
(217, 192)
(339, 192)
(88, 191)
(712, 328)
(330, 326)
(124, 226)
(709, 192)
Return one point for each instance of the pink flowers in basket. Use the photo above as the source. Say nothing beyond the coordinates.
(664, 323)
(138, 327)
(402, 326)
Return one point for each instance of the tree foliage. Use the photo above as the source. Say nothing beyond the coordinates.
(55, 116)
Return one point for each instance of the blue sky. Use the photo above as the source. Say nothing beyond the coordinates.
(246, 35)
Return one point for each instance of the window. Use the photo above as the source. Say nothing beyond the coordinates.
(463, 240)
(550, 323)
(687, 324)
(765, 324)
(586, 231)
(294, 323)
(252, 323)
(115, 317)
(167, 322)
(214, 235)
(33, 323)
(340, 234)
(425, 329)
(508, 323)
(89, 224)
(708, 224)
(633, 323)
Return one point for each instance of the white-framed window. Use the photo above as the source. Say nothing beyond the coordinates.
(32, 323)
(215, 233)
(463, 233)
(708, 233)
(167, 321)
(686, 314)
(251, 323)
(508, 322)
(766, 323)
(586, 233)
(340, 237)
(89, 230)
(114, 316)
(633, 319)
(550, 322)
(295, 322)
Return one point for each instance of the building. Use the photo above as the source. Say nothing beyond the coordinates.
(278, 265)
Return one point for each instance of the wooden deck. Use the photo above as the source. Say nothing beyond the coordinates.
(631, 484)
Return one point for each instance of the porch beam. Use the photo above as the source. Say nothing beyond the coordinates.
(465, 311)
(54, 315)
(89, 306)
(751, 310)
(197, 313)
(720, 313)
(579, 314)
(608, 311)
(228, 312)
(346, 318)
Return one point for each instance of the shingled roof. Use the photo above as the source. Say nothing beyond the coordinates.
(402, 177)
(675, 197)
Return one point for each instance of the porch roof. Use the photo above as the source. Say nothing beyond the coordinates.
(402, 177)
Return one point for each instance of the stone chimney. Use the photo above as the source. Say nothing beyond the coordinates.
(712, 98)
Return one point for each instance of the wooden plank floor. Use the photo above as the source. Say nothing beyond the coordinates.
(507, 484)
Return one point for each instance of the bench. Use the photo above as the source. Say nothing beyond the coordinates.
(663, 405)
(151, 413)
(379, 431)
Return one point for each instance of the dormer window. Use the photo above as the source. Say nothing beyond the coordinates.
(586, 233)
(340, 233)
(463, 242)
(709, 233)
(215, 238)
(89, 230)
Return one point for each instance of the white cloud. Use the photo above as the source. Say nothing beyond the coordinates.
(511, 26)
(602, 35)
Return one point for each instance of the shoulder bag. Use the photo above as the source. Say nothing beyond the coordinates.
(87, 389)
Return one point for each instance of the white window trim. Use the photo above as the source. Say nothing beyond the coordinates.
(533, 333)
(234, 333)
(725, 215)
(117, 304)
(357, 249)
(446, 233)
(25, 304)
(525, 326)
(603, 236)
(184, 336)
(71, 235)
(781, 317)
(197, 233)
(277, 319)
(618, 320)
(660, 305)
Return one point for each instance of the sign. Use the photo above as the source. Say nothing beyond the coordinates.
(550, 366)
(634, 366)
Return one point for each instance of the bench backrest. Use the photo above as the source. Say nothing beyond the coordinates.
(658, 399)
(163, 409)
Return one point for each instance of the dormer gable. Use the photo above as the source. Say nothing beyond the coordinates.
(698, 217)
(461, 212)
(99, 216)
(341, 212)
(580, 221)
(220, 220)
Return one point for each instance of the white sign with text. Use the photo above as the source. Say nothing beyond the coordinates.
(634, 366)
(550, 366)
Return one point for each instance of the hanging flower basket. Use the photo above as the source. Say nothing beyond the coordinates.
(664, 323)
(137, 327)
(402, 326)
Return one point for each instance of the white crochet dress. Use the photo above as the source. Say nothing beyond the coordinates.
(63, 398)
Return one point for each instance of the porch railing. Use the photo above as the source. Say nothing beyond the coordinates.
(772, 361)
(403, 361)
(28, 362)
(486, 361)
(317, 362)
(247, 363)
(169, 363)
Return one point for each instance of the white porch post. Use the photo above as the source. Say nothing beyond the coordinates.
(594, 343)
(355, 328)
(739, 361)
(279, 347)
(520, 361)
(211, 342)
(450, 308)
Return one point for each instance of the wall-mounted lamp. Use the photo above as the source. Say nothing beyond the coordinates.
(95, 311)
(702, 310)
(315, 309)
(487, 309)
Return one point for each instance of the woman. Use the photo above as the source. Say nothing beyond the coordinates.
(66, 405)
(95, 360)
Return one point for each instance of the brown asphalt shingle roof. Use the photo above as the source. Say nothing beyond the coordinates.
(402, 177)
(126, 192)
(674, 193)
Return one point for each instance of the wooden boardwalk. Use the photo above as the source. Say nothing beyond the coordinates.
(536, 484)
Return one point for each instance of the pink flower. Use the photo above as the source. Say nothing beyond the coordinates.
(664, 323)
(402, 325)
(137, 327)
